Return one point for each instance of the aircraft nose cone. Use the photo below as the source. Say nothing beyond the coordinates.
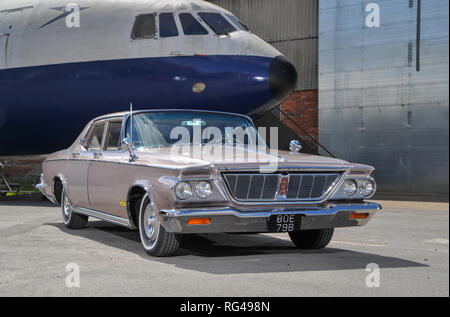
(282, 78)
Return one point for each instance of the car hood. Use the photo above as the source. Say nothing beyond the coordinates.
(230, 157)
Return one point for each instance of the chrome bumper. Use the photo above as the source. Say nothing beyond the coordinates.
(46, 191)
(231, 220)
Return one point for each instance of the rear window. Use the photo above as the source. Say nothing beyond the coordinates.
(218, 23)
(191, 26)
(167, 26)
(144, 27)
(237, 22)
(95, 139)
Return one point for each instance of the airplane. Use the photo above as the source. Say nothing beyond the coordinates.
(64, 62)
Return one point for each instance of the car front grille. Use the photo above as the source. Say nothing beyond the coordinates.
(280, 186)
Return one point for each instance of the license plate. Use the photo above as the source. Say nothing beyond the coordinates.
(284, 223)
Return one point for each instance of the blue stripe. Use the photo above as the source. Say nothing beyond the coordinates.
(44, 108)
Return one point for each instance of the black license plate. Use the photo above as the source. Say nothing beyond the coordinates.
(284, 223)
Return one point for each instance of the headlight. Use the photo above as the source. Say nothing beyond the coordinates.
(203, 189)
(183, 190)
(367, 187)
(350, 187)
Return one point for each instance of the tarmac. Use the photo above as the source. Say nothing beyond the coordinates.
(403, 251)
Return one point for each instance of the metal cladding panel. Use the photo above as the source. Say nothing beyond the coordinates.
(291, 26)
(375, 106)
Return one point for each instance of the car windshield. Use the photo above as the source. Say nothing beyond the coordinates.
(160, 129)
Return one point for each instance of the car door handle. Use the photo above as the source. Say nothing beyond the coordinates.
(97, 155)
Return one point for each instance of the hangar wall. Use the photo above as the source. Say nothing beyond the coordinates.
(383, 89)
(291, 26)
(362, 87)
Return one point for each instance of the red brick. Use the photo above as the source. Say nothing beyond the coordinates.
(303, 108)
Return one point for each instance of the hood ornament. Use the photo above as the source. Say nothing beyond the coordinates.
(295, 146)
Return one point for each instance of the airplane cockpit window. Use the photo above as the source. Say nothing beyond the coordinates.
(217, 22)
(190, 25)
(144, 27)
(167, 26)
(237, 22)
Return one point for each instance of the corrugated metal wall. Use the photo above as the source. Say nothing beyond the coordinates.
(375, 106)
(289, 25)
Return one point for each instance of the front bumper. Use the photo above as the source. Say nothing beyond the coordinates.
(232, 220)
(46, 190)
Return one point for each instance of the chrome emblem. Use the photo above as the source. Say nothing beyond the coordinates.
(283, 187)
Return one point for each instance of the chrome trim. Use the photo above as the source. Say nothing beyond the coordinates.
(338, 194)
(256, 220)
(331, 209)
(184, 110)
(120, 163)
(41, 189)
(193, 181)
(277, 197)
(103, 216)
(375, 187)
(260, 169)
(46, 190)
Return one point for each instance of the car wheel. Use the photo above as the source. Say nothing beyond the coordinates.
(154, 238)
(71, 219)
(312, 239)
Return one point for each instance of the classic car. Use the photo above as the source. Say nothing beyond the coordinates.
(133, 169)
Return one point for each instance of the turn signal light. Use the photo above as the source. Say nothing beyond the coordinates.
(199, 221)
(356, 215)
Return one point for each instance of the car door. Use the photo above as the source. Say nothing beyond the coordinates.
(103, 178)
(77, 168)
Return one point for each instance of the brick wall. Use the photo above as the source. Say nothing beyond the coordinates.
(21, 171)
(303, 107)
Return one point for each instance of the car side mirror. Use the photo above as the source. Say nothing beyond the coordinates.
(127, 145)
(295, 146)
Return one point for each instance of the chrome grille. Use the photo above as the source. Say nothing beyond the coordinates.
(300, 186)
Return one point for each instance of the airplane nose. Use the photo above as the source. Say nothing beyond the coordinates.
(282, 78)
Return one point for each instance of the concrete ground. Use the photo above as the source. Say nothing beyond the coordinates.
(409, 241)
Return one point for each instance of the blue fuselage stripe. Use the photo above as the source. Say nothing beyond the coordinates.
(43, 108)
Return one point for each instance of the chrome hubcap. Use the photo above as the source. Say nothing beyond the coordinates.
(151, 223)
(66, 207)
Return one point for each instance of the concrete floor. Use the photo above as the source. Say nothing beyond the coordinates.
(409, 241)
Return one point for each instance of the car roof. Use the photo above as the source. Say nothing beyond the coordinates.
(124, 113)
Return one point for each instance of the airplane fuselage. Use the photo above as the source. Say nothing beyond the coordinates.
(55, 77)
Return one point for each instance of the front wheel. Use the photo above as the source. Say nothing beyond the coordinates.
(154, 238)
(312, 239)
(71, 219)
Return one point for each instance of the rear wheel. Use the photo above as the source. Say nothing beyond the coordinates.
(154, 238)
(312, 239)
(71, 219)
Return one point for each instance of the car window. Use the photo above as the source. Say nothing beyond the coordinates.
(144, 27)
(95, 139)
(217, 22)
(113, 136)
(190, 25)
(167, 26)
(159, 129)
(238, 23)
